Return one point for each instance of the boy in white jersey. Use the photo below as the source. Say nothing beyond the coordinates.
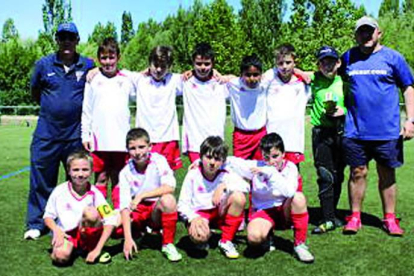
(78, 215)
(248, 109)
(146, 186)
(106, 116)
(276, 203)
(212, 197)
(204, 101)
(156, 108)
(287, 97)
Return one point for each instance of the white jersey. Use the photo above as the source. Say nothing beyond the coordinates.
(132, 182)
(105, 112)
(156, 108)
(197, 192)
(66, 206)
(271, 187)
(286, 106)
(248, 105)
(204, 112)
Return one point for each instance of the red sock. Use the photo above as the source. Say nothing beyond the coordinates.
(169, 225)
(300, 227)
(356, 215)
(102, 189)
(115, 197)
(230, 226)
(389, 216)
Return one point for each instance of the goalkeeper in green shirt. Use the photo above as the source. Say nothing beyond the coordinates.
(327, 116)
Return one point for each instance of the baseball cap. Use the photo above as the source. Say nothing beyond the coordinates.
(366, 20)
(327, 51)
(67, 27)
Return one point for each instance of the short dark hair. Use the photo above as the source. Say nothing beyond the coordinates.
(137, 133)
(204, 50)
(249, 61)
(214, 146)
(272, 140)
(78, 154)
(285, 49)
(108, 45)
(161, 55)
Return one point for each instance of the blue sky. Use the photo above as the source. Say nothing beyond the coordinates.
(27, 14)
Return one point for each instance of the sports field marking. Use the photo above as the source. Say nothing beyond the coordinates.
(25, 169)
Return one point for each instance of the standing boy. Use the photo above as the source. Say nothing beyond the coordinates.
(57, 85)
(213, 197)
(146, 186)
(248, 109)
(204, 103)
(287, 96)
(327, 116)
(106, 116)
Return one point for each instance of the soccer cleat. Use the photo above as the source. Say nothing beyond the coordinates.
(229, 249)
(324, 227)
(352, 226)
(32, 234)
(392, 227)
(303, 254)
(105, 258)
(170, 251)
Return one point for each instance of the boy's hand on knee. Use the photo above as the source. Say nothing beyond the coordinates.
(134, 203)
(199, 229)
(93, 255)
(218, 194)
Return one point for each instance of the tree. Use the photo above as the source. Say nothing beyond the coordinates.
(261, 21)
(9, 31)
(387, 6)
(54, 13)
(100, 32)
(127, 31)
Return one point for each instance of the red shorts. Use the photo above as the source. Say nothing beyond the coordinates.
(171, 151)
(85, 238)
(213, 217)
(193, 156)
(295, 157)
(246, 144)
(275, 215)
(142, 216)
(105, 161)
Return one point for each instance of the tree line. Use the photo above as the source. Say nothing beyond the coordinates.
(258, 27)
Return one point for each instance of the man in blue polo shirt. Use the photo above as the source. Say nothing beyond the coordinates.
(374, 74)
(57, 85)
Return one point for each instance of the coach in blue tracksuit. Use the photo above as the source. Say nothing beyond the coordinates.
(57, 85)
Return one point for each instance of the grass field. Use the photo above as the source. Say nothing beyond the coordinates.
(370, 252)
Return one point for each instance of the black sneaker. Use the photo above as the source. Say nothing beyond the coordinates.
(324, 228)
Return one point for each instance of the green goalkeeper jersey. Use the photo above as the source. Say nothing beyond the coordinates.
(323, 90)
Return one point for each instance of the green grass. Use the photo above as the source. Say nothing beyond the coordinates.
(370, 252)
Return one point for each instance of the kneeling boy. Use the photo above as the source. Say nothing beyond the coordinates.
(213, 197)
(276, 203)
(78, 214)
(146, 186)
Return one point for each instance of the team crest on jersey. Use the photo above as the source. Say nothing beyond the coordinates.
(136, 184)
(79, 75)
(68, 206)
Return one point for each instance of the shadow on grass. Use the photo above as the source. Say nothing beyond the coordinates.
(279, 243)
(315, 217)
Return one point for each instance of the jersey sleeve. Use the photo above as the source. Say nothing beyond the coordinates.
(240, 166)
(179, 85)
(284, 184)
(234, 182)
(36, 78)
(51, 210)
(184, 200)
(402, 73)
(108, 215)
(86, 119)
(124, 191)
